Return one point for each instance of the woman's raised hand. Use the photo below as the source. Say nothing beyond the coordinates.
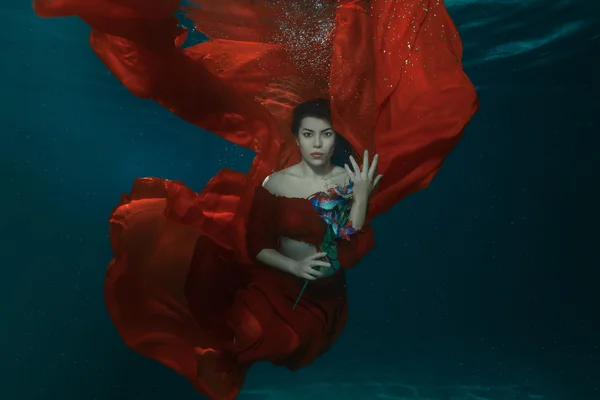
(365, 179)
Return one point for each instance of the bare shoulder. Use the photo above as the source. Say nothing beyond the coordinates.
(281, 182)
(274, 182)
(270, 182)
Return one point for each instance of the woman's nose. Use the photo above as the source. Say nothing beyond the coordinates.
(318, 141)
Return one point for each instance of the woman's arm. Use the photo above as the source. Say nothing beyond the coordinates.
(269, 256)
(309, 268)
(262, 239)
(358, 213)
(275, 259)
(364, 181)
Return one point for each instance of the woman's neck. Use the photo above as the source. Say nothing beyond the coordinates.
(311, 171)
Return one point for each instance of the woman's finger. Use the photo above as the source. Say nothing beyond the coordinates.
(320, 264)
(355, 166)
(308, 277)
(349, 171)
(317, 256)
(377, 180)
(373, 168)
(365, 171)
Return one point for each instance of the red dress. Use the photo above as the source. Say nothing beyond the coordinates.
(184, 279)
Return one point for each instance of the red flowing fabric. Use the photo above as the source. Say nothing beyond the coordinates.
(393, 72)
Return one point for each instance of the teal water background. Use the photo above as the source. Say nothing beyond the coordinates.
(482, 287)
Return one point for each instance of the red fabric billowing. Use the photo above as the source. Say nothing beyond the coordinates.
(261, 229)
(175, 295)
(183, 280)
(145, 287)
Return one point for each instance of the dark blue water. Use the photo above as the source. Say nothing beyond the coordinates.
(485, 286)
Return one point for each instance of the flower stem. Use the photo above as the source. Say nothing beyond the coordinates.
(300, 295)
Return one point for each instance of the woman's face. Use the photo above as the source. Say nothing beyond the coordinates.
(316, 140)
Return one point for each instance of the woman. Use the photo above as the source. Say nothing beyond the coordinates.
(208, 283)
(271, 317)
(311, 179)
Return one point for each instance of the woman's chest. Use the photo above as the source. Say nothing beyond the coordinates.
(296, 218)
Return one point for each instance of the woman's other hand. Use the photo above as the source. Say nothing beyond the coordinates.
(310, 267)
(364, 180)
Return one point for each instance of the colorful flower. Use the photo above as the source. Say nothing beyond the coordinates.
(333, 206)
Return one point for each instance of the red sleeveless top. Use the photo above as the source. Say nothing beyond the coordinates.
(273, 216)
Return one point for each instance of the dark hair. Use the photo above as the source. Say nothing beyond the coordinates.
(321, 109)
(316, 108)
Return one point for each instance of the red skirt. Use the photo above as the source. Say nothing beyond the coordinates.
(178, 296)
